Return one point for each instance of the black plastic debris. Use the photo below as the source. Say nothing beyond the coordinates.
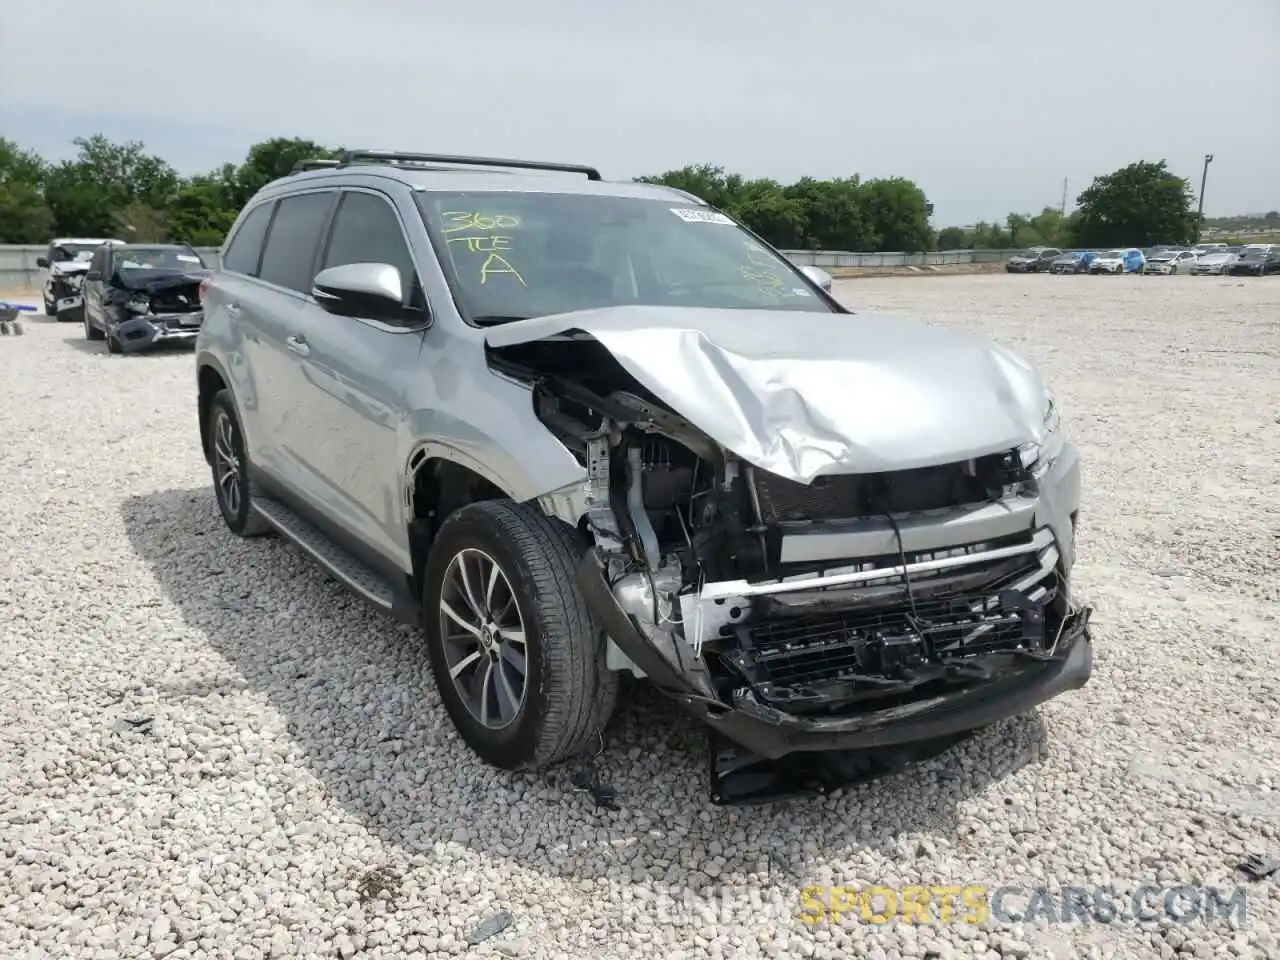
(136, 724)
(587, 778)
(1258, 867)
(490, 926)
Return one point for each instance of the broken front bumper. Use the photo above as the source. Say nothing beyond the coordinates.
(1014, 683)
(144, 331)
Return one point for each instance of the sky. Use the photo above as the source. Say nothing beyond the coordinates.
(988, 105)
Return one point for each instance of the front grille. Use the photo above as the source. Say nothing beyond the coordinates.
(176, 301)
(856, 654)
(874, 494)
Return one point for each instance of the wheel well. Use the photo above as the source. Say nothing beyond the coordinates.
(441, 487)
(210, 382)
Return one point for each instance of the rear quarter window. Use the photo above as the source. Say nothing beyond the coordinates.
(245, 249)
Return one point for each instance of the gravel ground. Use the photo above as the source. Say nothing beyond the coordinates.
(208, 750)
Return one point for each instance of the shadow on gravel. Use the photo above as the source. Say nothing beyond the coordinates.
(361, 707)
(99, 348)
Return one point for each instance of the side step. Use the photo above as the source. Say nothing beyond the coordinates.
(336, 561)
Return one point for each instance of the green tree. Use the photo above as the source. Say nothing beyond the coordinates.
(764, 207)
(24, 215)
(897, 209)
(834, 215)
(204, 209)
(90, 194)
(1140, 204)
(704, 180)
(953, 238)
(271, 159)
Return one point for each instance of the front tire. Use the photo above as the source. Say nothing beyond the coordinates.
(50, 308)
(90, 331)
(232, 487)
(517, 656)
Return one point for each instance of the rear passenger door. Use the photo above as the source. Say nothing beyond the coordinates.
(282, 289)
(355, 369)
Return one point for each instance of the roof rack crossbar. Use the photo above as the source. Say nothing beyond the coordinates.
(314, 164)
(395, 157)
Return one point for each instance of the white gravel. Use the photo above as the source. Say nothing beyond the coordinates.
(208, 750)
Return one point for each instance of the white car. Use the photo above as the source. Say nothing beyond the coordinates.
(1119, 260)
(1170, 261)
(1212, 263)
(67, 261)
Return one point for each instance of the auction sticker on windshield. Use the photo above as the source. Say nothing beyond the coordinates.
(698, 215)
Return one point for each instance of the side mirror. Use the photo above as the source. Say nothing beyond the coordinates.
(369, 290)
(42, 263)
(93, 275)
(818, 276)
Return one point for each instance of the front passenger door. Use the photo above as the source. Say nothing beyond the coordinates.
(355, 370)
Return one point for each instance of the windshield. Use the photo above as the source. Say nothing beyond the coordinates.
(1114, 255)
(1252, 255)
(157, 258)
(73, 252)
(516, 255)
(1027, 254)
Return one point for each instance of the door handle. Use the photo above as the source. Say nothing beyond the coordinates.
(298, 344)
(233, 309)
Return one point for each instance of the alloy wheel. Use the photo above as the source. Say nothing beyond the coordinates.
(226, 462)
(482, 633)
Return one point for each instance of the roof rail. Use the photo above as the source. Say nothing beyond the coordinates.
(314, 164)
(396, 158)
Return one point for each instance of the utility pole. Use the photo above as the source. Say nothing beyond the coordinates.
(1204, 176)
(1063, 208)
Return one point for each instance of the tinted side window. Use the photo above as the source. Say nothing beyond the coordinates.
(367, 230)
(295, 234)
(246, 246)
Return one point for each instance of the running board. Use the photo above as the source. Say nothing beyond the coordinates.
(336, 561)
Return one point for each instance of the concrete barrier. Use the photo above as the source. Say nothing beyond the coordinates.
(18, 269)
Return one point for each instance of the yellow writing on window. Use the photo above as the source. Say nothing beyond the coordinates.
(458, 220)
(496, 263)
(492, 244)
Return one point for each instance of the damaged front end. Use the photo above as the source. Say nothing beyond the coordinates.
(825, 631)
(142, 313)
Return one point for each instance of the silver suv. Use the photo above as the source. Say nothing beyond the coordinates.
(576, 428)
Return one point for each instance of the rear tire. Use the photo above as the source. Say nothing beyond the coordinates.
(232, 487)
(568, 694)
(113, 345)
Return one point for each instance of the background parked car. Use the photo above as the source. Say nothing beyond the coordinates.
(1077, 261)
(66, 261)
(1171, 261)
(1119, 260)
(1212, 263)
(1258, 261)
(1032, 260)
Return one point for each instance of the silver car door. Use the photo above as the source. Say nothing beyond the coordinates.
(272, 305)
(354, 371)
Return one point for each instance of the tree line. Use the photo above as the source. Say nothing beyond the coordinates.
(122, 190)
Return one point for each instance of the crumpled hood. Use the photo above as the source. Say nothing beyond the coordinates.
(154, 281)
(64, 267)
(806, 394)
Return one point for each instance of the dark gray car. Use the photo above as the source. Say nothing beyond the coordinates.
(137, 296)
(576, 428)
(1032, 260)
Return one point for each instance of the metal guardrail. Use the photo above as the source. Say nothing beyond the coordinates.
(18, 263)
(18, 269)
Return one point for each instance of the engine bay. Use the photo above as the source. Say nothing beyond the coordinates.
(819, 599)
